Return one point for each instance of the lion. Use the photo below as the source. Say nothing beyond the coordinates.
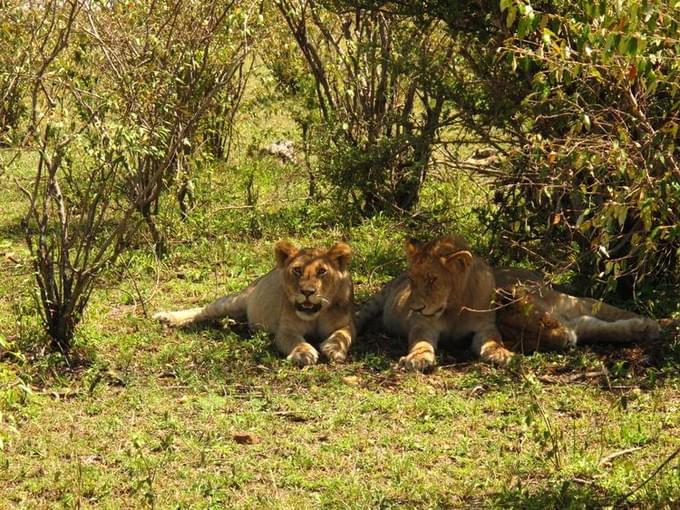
(449, 293)
(307, 296)
(532, 316)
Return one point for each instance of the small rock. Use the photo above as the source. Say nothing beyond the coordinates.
(284, 150)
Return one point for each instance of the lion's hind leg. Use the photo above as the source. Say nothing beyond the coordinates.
(233, 305)
(620, 331)
(596, 321)
(526, 326)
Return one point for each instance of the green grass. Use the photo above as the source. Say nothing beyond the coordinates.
(141, 416)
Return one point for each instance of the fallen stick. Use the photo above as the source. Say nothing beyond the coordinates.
(616, 455)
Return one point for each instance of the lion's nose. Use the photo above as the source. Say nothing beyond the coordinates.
(307, 292)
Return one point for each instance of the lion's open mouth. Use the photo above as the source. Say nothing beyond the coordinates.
(307, 307)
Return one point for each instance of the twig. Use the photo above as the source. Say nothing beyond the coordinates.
(232, 207)
(616, 455)
(549, 379)
(605, 373)
(654, 473)
(10, 256)
(137, 291)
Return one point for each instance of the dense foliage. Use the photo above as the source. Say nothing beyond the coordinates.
(380, 95)
(577, 100)
(594, 184)
(117, 101)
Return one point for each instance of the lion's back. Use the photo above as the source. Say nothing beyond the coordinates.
(265, 301)
(395, 309)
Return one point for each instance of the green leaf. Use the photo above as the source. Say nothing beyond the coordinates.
(523, 27)
(611, 41)
(546, 36)
(585, 118)
(512, 15)
(622, 213)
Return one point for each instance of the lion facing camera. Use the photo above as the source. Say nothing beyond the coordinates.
(307, 296)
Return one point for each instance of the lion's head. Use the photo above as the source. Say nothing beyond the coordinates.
(438, 274)
(315, 278)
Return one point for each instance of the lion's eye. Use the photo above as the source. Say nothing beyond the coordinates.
(321, 271)
(297, 271)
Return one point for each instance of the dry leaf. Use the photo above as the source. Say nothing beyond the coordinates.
(246, 438)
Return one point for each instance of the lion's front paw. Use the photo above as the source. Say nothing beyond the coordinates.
(496, 354)
(421, 358)
(334, 351)
(303, 355)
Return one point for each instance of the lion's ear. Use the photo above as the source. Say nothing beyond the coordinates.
(284, 251)
(458, 261)
(341, 254)
(411, 246)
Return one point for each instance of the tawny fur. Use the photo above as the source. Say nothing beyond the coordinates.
(450, 293)
(308, 296)
(532, 316)
(447, 293)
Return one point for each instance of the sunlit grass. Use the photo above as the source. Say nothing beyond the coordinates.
(142, 416)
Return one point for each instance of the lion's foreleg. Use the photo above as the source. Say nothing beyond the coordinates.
(487, 345)
(296, 349)
(336, 346)
(422, 343)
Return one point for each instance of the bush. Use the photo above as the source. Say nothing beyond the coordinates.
(593, 183)
(381, 104)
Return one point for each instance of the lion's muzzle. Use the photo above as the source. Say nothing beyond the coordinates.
(308, 307)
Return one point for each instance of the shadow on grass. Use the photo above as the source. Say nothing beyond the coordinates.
(633, 365)
(380, 351)
(646, 362)
(565, 495)
(258, 344)
(12, 231)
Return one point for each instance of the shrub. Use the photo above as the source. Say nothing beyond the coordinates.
(593, 185)
(381, 104)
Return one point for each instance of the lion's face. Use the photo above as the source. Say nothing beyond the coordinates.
(437, 274)
(313, 276)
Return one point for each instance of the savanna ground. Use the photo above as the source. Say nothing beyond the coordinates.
(213, 417)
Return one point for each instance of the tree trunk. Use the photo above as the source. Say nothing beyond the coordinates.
(159, 244)
(61, 328)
